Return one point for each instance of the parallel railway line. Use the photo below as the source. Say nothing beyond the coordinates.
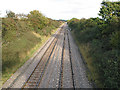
(60, 65)
(36, 76)
(30, 62)
(38, 73)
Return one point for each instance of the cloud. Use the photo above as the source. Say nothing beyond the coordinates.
(55, 9)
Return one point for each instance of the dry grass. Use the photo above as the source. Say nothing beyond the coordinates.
(91, 73)
(17, 52)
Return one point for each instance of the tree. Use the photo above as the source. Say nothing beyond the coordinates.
(72, 23)
(10, 14)
(21, 16)
(109, 9)
(37, 20)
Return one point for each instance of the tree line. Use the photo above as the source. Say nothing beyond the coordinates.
(35, 21)
(101, 37)
(22, 36)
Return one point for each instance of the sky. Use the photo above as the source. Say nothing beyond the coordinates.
(55, 9)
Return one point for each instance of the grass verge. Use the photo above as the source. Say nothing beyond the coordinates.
(17, 52)
(91, 70)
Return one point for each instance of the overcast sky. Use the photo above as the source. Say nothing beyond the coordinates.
(55, 9)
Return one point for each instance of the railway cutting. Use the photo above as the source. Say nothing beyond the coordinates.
(57, 64)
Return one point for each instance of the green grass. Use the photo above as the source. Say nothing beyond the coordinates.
(84, 49)
(16, 53)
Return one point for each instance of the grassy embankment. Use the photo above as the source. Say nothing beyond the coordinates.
(16, 53)
(101, 61)
(99, 43)
(21, 40)
(84, 50)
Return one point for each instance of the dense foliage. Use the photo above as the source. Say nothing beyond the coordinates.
(37, 20)
(103, 37)
(14, 25)
(20, 35)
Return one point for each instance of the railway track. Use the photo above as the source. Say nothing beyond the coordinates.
(29, 65)
(36, 76)
(59, 67)
(66, 78)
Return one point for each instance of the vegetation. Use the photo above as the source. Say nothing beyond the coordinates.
(99, 42)
(22, 35)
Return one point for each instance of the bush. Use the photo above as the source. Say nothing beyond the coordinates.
(20, 38)
(103, 37)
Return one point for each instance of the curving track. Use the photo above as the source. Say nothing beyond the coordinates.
(58, 64)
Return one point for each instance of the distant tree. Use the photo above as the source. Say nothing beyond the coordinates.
(10, 14)
(109, 9)
(37, 20)
(73, 22)
(21, 16)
